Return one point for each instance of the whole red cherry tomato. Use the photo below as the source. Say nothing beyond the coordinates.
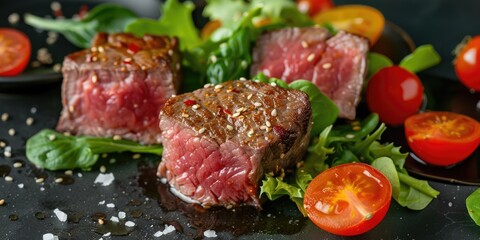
(394, 94)
(467, 64)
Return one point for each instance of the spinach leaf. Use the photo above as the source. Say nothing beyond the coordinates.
(54, 151)
(176, 20)
(473, 206)
(386, 166)
(105, 17)
(377, 61)
(261, 77)
(324, 110)
(422, 58)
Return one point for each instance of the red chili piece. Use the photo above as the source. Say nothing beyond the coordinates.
(133, 48)
(189, 102)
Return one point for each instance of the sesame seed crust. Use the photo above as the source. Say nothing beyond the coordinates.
(242, 110)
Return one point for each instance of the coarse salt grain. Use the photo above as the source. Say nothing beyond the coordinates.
(105, 179)
(101, 202)
(168, 229)
(107, 234)
(130, 224)
(7, 154)
(110, 205)
(60, 215)
(210, 234)
(114, 219)
(49, 236)
(122, 215)
(8, 178)
(21, 185)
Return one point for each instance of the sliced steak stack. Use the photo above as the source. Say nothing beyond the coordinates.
(221, 140)
(337, 65)
(118, 86)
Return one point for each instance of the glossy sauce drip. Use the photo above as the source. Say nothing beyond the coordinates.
(275, 218)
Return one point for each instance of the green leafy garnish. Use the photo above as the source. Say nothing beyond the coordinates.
(232, 59)
(324, 110)
(357, 142)
(176, 20)
(473, 206)
(377, 61)
(407, 191)
(54, 151)
(109, 18)
(230, 12)
(422, 58)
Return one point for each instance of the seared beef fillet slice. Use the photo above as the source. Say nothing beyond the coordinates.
(337, 65)
(119, 85)
(219, 141)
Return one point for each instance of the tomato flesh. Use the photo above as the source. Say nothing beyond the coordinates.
(442, 138)
(359, 19)
(348, 199)
(467, 64)
(15, 49)
(395, 94)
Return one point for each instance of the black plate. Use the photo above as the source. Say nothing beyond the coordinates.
(28, 209)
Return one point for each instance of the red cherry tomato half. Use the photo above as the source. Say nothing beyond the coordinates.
(348, 199)
(442, 138)
(314, 6)
(395, 94)
(467, 64)
(15, 51)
